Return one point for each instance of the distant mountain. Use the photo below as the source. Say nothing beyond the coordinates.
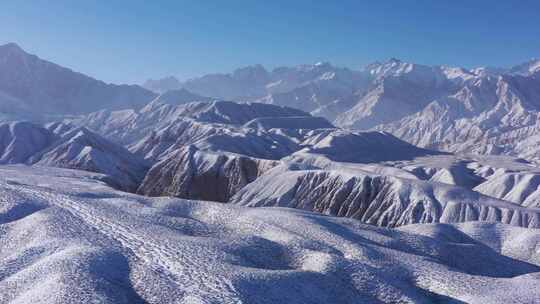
(36, 85)
(178, 97)
(162, 85)
(482, 110)
(255, 82)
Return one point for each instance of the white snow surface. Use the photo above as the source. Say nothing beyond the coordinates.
(65, 237)
(20, 140)
(62, 145)
(84, 150)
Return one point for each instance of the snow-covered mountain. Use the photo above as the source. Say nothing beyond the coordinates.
(265, 155)
(252, 83)
(61, 145)
(191, 173)
(21, 140)
(162, 85)
(378, 198)
(39, 86)
(480, 110)
(159, 128)
(84, 150)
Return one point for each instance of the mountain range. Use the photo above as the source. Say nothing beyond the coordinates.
(480, 110)
(398, 183)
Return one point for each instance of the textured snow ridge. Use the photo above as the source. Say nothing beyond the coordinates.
(98, 244)
(20, 140)
(84, 150)
(219, 161)
(44, 87)
(381, 200)
(190, 173)
(61, 145)
(159, 128)
(513, 180)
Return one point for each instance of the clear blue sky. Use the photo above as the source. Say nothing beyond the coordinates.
(129, 41)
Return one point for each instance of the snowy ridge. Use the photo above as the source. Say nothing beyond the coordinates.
(379, 200)
(159, 129)
(61, 145)
(205, 150)
(20, 140)
(84, 150)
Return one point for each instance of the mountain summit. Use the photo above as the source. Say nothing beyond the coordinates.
(49, 88)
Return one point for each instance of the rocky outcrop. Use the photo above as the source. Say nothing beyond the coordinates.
(194, 174)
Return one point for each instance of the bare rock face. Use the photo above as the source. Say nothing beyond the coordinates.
(190, 173)
(379, 200)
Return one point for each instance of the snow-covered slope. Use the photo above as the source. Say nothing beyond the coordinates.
(223, 151)
(20, 140)
(357, 147)
(221, 159)
(43, 87)
(98, 244)
(85, 150)
(293, 122)
(160, 128)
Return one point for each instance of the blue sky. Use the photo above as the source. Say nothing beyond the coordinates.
(130, 41)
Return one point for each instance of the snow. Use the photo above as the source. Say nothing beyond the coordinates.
(20, 140)
(98, 244)
(82, 149)
(295, 122)
(378, 199)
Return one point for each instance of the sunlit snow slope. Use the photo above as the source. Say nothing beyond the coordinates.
(66, 237)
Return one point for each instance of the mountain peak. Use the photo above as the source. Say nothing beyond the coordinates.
(11, 48)
(162, 85)
(323, 63)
